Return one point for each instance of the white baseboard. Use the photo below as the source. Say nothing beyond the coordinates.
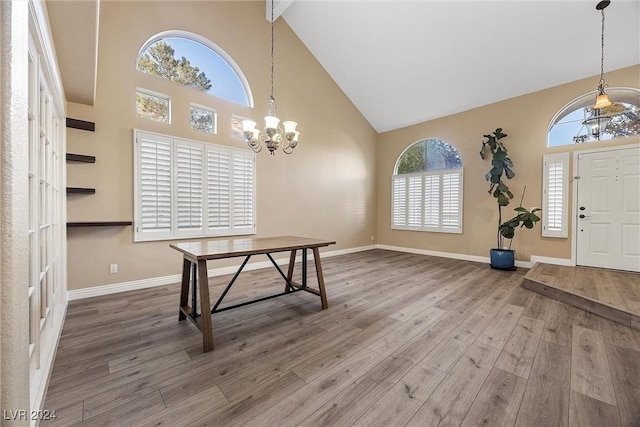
(175, 278)
(550, 260)
(452, 255)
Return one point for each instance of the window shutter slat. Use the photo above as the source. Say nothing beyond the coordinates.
(218, 189)
(189, 186)
(432, 201)
(155, 184)
(243, 212)
(555, 194)
(399, 204)
(414, 201)
(451, 201)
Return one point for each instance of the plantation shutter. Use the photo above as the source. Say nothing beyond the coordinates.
(428, 201)
(414, 201)
(186, 188)
(452, 201)
(154, 158)
(189, 186)
(399, 201)
(242, 190)
(218, 190)
(432, 201)
(555, 195)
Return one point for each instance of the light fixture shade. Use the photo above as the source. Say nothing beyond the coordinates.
(248, 126)
(289, 126)
(271, 122)
(602, 101)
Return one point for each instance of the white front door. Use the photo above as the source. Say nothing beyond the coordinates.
(608, 216)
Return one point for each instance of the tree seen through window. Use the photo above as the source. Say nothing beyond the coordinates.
(429, 155)
(190, 63)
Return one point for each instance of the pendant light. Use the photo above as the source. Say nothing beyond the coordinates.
(602, 100)
(274, 134)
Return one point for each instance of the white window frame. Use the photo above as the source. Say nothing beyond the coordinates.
(239, 158)
(555, 195)
(208, 110)
(154, 94)
(406, 180)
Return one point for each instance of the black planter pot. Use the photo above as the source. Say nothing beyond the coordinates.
(503, 259)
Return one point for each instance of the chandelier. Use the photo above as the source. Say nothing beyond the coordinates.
(602, 100)
(274, 135)
(597, 123)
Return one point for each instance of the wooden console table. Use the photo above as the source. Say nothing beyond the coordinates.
(196, 254)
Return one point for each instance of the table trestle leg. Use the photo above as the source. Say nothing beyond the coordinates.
(323, 292)
(184, 288)
(205, 307)
(194, 291)
(292, 262)
(235, 276)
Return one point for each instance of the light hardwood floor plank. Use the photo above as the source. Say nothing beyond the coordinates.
(546, 397)
(625, 371)
(450, 401)
(399, 404)
(520, 350)
(590, 373)
(585, 410)
(310, 398)
(348, 406)
(498, 401)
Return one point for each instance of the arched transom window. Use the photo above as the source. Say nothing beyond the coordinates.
(577, 122)
(193, 61)
(427, 188)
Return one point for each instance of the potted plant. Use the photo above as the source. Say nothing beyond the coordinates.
(503, 257)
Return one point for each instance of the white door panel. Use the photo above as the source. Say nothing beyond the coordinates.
(609, 209)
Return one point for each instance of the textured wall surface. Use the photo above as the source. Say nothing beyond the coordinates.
(14, 247)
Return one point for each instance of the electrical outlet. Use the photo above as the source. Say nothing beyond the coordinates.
(113, 268)
(372, 238)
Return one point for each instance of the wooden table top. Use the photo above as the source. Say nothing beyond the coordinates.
(243, 246)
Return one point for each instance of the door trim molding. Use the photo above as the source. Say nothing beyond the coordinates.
(574, 190)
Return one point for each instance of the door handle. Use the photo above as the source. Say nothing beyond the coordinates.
(582, 216)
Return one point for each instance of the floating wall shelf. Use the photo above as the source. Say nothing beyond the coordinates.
(99, 224)
(81, 158)
(81, 124)
(80, 190)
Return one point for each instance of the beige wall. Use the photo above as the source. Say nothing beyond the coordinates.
(326, 189)
(525, 119)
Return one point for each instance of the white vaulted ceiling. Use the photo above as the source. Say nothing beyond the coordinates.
(404, 62)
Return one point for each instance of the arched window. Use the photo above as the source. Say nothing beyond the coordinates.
(195, 62)
(427, 188)
(578, 123)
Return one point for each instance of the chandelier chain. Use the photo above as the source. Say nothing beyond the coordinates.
(272, 2)
(601, 84)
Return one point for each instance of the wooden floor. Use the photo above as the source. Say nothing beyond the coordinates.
(407, 340)
(608, 293)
